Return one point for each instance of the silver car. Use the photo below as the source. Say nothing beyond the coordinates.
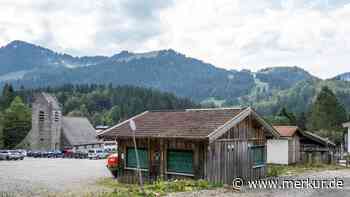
(15, 155)
(4, 155)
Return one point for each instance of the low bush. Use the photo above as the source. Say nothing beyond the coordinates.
(158, 188)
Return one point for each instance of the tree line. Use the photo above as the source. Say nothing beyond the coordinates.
(325, 116)
(108, 105)
(101, 104)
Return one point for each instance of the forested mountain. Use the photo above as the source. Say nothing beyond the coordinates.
(101, 104)
(30, 66)
(344, 77)
(107, 105)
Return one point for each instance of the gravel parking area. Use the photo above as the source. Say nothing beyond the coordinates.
(76, 177)
(40, 176)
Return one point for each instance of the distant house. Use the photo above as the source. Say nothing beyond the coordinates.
(214, 144)
(347, 137)
(297, 146)
(286, 149)
(52, 131)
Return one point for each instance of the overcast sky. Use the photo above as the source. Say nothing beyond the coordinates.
(233, 34)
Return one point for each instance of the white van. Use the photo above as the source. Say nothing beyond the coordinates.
(97, 153)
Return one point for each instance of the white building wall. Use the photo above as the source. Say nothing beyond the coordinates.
(277, 151)
(348, 145)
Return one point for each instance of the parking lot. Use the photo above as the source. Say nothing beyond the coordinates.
(37, 176)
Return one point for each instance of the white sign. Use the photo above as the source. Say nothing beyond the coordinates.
(132, 125)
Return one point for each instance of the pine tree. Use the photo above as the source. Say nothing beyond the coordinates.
(1, 132)
(289, 115)
(301, 121)
(16, 123)
(7, 95)
(327, 115)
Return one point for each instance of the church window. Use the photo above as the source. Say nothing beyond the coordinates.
(41, 115)
(57, 116)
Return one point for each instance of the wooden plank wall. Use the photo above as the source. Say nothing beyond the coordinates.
(229, 159)
(230, 156)
(154, 145)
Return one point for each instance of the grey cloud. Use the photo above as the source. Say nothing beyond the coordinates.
(265, 41)
(144, 9)
(129, 22)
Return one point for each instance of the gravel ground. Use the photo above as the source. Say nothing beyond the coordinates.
(325, 175)
(40, 177)
(76, 177)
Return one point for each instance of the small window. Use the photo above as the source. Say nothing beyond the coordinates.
(57, 116)
(131, 158)
(258, 155)
(41, 116)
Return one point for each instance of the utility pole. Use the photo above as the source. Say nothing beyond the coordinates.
(133, 128)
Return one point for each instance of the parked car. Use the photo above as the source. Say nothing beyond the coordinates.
(68, 153)
(50, 154)
(15, 155)
(97, 154)
(29, 153)
(58, 154)
(80, 154)
(4, 155)
(23, 152)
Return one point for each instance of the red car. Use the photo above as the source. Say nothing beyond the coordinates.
(68, 153)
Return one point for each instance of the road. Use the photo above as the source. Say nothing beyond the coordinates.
(43, 176)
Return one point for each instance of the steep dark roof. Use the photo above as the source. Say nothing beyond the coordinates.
(317, 138)
(190, 123)
(78, 131)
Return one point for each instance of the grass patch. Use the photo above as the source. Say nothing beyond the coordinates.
(286, 170)
(158, 188)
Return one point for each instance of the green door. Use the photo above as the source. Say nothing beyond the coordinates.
(180, 161)
(131, 158)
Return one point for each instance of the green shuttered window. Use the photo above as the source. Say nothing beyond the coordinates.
(258, 155)
(131, 158)
(180, 161)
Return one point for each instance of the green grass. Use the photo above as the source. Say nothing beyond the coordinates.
(158, 188)
(284, 170)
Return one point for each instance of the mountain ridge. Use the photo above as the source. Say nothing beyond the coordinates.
(32, 66)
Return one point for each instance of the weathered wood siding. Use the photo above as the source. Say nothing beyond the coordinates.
(312, 152)
(221, 161)
(230, 156)
(158, 168)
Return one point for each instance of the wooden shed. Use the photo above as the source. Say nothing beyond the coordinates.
(316, 149)
(286, 149)
(298, 146)
(214, 144)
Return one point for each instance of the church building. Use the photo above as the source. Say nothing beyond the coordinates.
(52, 131)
